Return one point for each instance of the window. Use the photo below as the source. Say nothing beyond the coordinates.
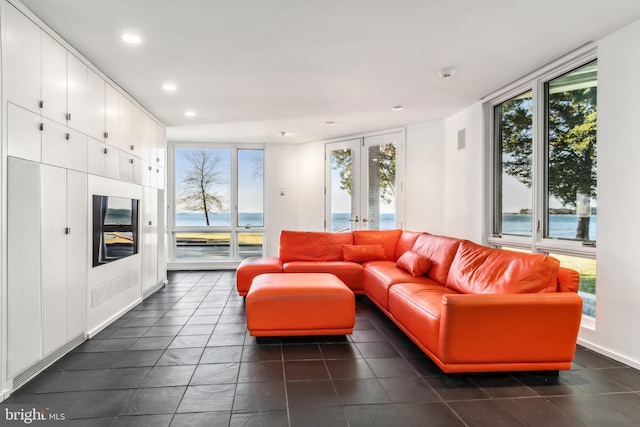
(514, 145)
(218, 204)
(544, 163)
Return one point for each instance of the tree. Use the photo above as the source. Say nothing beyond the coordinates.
(571, 137)
(342, 161)
(198, 184)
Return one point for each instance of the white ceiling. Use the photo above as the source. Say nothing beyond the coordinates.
(251, 69)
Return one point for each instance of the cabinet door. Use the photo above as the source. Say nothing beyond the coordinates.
(153, 143)
(77, 259)
(22, 66)
(97, 157)
(112, 116)
(77, 88)
(55, 143)
(95, 126)
(64, 147)
(149, 239)
(162, 236)
(139, 171)
(54, 80)
(126, 167)
(160, 177)
(161, 146)
(113, 162)
(54, 258)
(23, 132)
(137, 132)
(24, 315)
(126, 108)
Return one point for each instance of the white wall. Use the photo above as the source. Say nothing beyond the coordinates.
(618, 285)
(424, 178)
(464, 172)
(282, 170)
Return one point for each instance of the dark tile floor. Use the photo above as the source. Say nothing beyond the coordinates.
(183, 358)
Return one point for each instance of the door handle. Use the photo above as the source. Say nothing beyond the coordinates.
(365, 219)
(355, 220)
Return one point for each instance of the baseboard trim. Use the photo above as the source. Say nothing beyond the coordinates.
(23, 377)
(611, 354)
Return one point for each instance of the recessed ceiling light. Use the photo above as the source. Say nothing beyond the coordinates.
(283, 133)
(131, 38)
(189, 113)
(397, 107)
(329, 123)
(169, 87)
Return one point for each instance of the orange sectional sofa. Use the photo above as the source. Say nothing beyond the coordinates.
(469, 307)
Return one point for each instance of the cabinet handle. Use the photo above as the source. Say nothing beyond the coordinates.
(157, 159)
(41, 104)
(41, 126)
(68, 117)
(150, 168)
(67, 230)
(67, 136)
(131, 161)
(106, 150)
(150, 223)
(132, 147)
(106, 135)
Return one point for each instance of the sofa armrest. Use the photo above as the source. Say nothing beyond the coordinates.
(503, 328)
(252, 267)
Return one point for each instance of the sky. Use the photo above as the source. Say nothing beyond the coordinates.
(250, 188)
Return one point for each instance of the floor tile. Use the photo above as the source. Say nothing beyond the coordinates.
(158, 400)
(171, 361)
(208, 398)
(260, 396)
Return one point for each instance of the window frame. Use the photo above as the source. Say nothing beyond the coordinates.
(234, 229)
(536, 243)
(535, 83)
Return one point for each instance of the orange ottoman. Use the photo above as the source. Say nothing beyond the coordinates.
(285, 304)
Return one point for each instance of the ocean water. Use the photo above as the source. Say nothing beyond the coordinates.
(560, 226)
(253, 219)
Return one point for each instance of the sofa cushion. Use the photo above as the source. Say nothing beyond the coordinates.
(417, 307)
(363, 253)
(414, 263)
(406, 241)
(386, 238)
(312, 245)
(379, 276)
(479, 269)
(349, 272)
(440, 250)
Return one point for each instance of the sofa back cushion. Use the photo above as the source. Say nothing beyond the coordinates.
(312, 245)
(405, 242)
(386, 238)
(363, 253)
(440, 250)
(479, 269)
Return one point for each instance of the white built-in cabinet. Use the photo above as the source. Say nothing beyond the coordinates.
(47, 259)
(24, 296)
(64, 123)
(64, 255)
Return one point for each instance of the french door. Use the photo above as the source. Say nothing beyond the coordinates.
(361, 176)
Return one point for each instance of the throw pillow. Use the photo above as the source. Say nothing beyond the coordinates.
(414, 263)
